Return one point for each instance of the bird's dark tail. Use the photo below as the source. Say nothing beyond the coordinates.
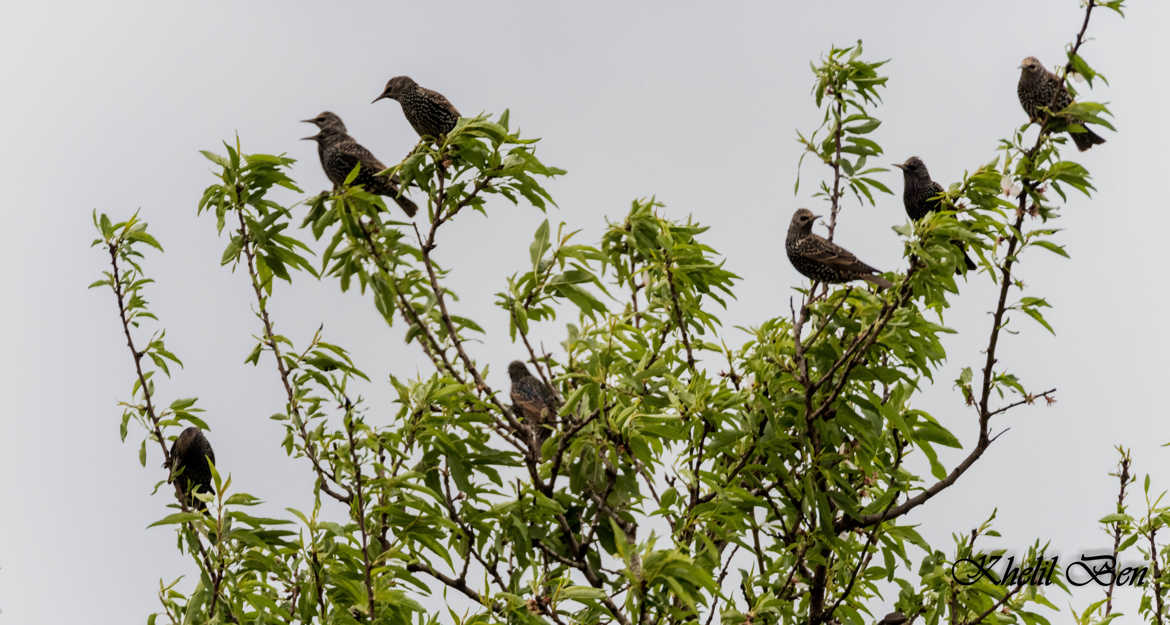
(404, 203)
(1086, 139)
(392, 190)
(879, 281)
(970, 264)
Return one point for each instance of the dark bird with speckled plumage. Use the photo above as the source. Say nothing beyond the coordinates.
(190, 466)
(920, 195)
(533, 401)
(821, 259)
(429, 113)
(339, 154)
(1038, 88)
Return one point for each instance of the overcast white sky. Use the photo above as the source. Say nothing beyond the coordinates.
(106, 107)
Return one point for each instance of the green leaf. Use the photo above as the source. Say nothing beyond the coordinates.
(1051, 247)
(865, 127)
(582, 593)
(540, 244)
(215, 158)
(232, 251)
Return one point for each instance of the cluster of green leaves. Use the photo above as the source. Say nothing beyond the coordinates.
(244, 181)
(228, 545)
(960, 589)
(1135, 533)
(846, 87)
(124, 242)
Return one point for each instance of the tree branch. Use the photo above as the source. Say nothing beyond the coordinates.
(845, 524)
(360, 512)
(120, 297)
(323, 476)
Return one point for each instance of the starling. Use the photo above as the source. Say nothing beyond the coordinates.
(191, 460)
(533, 401)
(340, 153)
(821, 259)
(893, 618)
(920, 196)
(1038, 88)
(429, 113)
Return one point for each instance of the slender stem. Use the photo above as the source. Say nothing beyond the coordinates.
(1026, 400)
(837, 132)
(360, 512)
(120, 297)
(451, 582)
(1123, 478)
(1159, 609)
(682, 325)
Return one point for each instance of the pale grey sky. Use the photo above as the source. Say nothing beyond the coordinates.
(107, 106)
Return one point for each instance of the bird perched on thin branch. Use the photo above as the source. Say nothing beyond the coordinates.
(821, 259)
(190, 466)
(920, 195)
(533, 401)
(429, 113)
(339, 154)
(1038, 88)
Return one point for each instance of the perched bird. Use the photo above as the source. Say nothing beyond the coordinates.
(821, 259)
(893, 618)
(1038, 88)
(429, 113)
(534, 402)
(191, 459)
(340, 153)
(920, 196)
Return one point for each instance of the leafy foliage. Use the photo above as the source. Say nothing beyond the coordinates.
(763, 483)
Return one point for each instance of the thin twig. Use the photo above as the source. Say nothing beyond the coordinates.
(1123, 480)
(837, 132)
(1026, 400)
(120, 296)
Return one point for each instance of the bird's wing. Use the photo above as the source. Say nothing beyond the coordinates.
(206, 450)
(824, 251)
(336, 161)
(936, 189)
(1063, 97)
(358, 154)
(529, 398)
(550, 398)
(441, 100)
(169, 465)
